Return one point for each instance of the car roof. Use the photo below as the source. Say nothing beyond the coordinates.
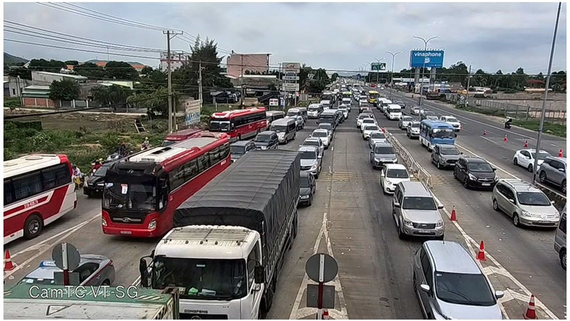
(305, 174)
(520, 186)
(562, 159)
(321, 129)
(415, 189)
(472, 159)
(267, 132)
(293, 109)
(448, 146)
(395, 166)
(243, 142)
(329, 111)
(282, 121)
(313, 139)
(451, 257)
(382, 144)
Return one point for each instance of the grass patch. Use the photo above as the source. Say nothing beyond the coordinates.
(549, 128)
(492, 112)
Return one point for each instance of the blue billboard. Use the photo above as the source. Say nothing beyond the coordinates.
(431, 58)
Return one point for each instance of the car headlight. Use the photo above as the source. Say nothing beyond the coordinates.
(388, 182)
(314, 166)
(472, 177)
(152, 225)
(304, 197)
(376, 159)
(439, 224)
(526, 213)
(408, 223)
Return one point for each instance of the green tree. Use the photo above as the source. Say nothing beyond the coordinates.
(72, 62)
(121, 70)
(155, 102)
(64, 90)
(334, 77)
(111, 96)
(91, 71)
(45, 65)
(24, 73)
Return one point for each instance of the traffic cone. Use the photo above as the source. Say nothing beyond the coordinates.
(526, 144)
(481, 255)
(485, 132)
(530, 311)
(325, 314)
(453, 214)
(505, 139)
(8, 265)
(383, 130)
(560, 153)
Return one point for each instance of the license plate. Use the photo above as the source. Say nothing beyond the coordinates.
(126, 232)
(486, 184)
(424, 232)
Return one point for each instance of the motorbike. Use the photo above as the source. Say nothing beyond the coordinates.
(508, 123)
(79, 181)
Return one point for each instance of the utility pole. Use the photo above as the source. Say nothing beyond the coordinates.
(468, 82)
(392, 73)
(200, 83)
(541, 127)
(171, 116)
(424, 66)
(242, 89)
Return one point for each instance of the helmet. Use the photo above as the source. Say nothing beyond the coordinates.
(146, 138)
(100, 159)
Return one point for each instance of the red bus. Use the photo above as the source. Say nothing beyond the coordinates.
(181, 135)
(239, 124)
(38, 189)
(143, 190)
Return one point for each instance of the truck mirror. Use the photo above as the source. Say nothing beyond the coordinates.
(259, 274)
(143, 269)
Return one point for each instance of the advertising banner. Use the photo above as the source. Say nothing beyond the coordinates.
(192, 109)
(427, 58)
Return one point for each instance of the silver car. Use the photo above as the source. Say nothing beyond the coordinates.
(560, 239)
(92, 270)
(376, 137)
(450, 285)
(526, 204)
(310, 160)
(445, 155)
(553, 170)
(316, 142)
(382, 153)
(416, 211)
(413, 129)
(404, 121)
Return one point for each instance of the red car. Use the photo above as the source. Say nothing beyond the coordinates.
(372, 85)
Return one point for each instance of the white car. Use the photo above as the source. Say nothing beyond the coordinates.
(391, 175)
(361, 117)
(526, 157)
(323, 135)
(367, 121)
(376, 137)
(344, 110)
(368, 129)
(452, 121)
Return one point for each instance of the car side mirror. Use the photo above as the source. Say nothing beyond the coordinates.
(259, 274)
(143, 269)
(425, 288)
(512, 200)
(494, 169)
(320, 156)
(396, 204)
(382, 174)
(499, 294)
(461, 153)
(561, 169)
(440, 206)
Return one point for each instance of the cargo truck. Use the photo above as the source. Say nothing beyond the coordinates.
(35, 301)
(229, 239)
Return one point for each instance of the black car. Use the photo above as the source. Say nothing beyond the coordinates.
(240, 148)
(475, 172)
(94, 184)
(308, 188)
(266, 140)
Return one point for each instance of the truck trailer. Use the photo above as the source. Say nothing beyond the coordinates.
(229, 239)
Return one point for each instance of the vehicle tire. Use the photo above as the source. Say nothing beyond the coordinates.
(529, 168)
(516, 221)
(317, 175)
(563, 186)
(495, 205)
(438, 165)
(515, 161)
(267, 300)
(542, 177)
(33, 226)
(466, 182)
(401, 234)
(106, 282)
(310, 202)
(563, 258)
(295, 225)
(408, 134)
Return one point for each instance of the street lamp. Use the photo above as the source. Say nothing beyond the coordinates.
(424, 67)
(392, 74)
(377, 71)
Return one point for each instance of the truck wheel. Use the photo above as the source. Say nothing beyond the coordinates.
(267, 301)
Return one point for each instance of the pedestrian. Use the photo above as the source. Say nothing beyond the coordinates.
(145, 144)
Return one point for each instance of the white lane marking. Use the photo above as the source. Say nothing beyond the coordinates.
(46, 248)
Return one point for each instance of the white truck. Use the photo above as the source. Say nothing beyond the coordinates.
(229, 239)
(34, 301)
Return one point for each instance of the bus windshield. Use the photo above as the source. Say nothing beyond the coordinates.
(373, 95)
(133, 196)
(219, 125)
(443, 133)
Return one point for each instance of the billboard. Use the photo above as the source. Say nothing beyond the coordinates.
(378, 66)
(192, 109)
(431, 58)
(291, 67)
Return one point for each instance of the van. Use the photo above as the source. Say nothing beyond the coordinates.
(314, 110)
(303, 111)
(393, 112)
(325, 103)
(273, 115)
(328, 116)
(560, 239)
(416, 211)
(293, 112)
(286, 129)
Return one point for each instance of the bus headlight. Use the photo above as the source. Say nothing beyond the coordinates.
(103, 222)
(152, 225)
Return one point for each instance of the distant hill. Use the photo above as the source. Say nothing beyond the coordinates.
(11, 60)
(94, 61)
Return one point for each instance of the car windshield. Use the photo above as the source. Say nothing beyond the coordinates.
(201, 278)
(448, 151)
(278, 128)
(363, 116)
(468, 289)
(397, 173)
(533, 199)
(368, 121)
(541, 155)
(101, 172)
(406, 118)
(370, 127)
(311, 143)
(131, 196)
(443, 133)
(453, 120)
(383, 150)
(479, 167)
(308, 155)
(237, 150)
(377, 135)
(319, 134)
(305, 182)
(313, 108)
(419, 203)
(416, 125)
(219, 126)
(292, 113)
(263, 138)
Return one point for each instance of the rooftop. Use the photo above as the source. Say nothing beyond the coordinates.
(451, 257)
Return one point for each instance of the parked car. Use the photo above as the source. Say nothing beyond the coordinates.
(450, 285)
(560, 239)
(324, 135)
(367, 129)
(240, 148)
(416, 212)
(413, 129)
(316, 142)
(475, 172)
(526, 158)
(391, 175)
(404, 121)
(445, 155)
(553, 170)
(452, 121)
(266, 140)
(93, 270)
(308, 188)
(382, 153)
(376, 137)
(524, 203)
(310, 160)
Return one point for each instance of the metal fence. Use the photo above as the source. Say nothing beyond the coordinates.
(414, 167)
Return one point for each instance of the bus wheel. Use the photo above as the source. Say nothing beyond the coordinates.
(33, 226)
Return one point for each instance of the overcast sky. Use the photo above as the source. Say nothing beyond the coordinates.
(342, 36)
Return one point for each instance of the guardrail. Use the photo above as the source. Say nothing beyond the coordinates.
(414, 167)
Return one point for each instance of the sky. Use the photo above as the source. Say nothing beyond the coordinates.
(335, 36)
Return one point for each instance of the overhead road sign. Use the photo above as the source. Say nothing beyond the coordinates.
(427, 58)
(378, 66)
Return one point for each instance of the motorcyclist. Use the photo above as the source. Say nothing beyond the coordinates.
(508, 123)
(98, 164)
(77, 177)
(123, 152)
(145, 144)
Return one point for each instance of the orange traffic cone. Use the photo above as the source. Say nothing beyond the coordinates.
(481, 255)
(325, 314)
(530, 311)
(505, 139)
(526, 144)
(8, 265)
(561, 153)
(485, 132)
(453, 214)
(383, 130)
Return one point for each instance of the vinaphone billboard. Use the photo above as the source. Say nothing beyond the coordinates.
(426, 58)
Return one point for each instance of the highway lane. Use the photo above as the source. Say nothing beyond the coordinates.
(527, 254)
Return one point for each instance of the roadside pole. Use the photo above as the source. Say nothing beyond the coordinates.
(170, 109)
(468, 82)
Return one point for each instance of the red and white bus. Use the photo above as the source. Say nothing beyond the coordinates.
(142, 191)
(181, 135)
(38, 189)
(239, 124)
